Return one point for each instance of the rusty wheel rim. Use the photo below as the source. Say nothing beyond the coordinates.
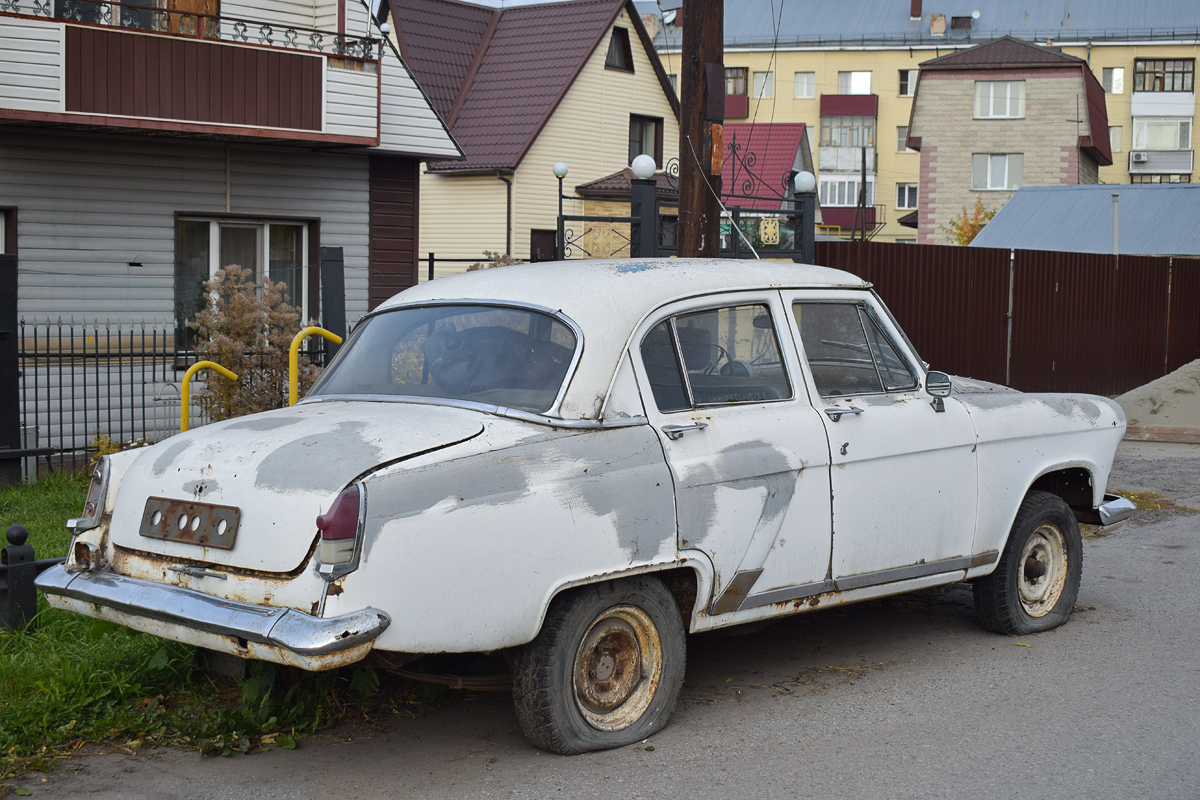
(617, 668)
(1042, 570)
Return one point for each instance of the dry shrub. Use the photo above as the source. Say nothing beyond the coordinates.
(494, 260)
(249, 333)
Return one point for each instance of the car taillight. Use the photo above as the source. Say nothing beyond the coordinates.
(339, 527)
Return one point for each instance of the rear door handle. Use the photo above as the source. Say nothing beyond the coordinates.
(835, 414)
(675, 431)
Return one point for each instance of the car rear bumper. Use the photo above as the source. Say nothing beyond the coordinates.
(282, 635)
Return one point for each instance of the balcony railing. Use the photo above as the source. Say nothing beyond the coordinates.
(189, 24)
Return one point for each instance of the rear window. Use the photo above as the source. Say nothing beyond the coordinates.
(500, 356)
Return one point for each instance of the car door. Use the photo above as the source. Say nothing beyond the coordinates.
(903, 471)
(747, 451)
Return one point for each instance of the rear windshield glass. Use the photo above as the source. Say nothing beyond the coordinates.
(488, 354)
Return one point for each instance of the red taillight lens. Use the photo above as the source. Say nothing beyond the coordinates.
(339, 527)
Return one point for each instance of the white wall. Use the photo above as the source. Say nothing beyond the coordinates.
(31, 55)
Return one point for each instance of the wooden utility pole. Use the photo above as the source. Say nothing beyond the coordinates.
(701, 113)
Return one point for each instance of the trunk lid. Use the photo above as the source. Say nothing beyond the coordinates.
(277, 470)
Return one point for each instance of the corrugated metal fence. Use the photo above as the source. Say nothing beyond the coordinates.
(1036, 320)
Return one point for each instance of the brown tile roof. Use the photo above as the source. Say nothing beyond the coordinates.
(497, 75)
(617, 186)
(438, 40)
(1002, 53)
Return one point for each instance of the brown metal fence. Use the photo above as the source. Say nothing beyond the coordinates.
(951, 301)
(1183, 317)
(1079, 321)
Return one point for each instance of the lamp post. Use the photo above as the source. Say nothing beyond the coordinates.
(560, 171)
(643, 202)
(804, 221)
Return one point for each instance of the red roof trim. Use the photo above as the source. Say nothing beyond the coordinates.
(849, 105)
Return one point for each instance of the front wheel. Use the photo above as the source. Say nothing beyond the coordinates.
(1037, 580)
(604, 671)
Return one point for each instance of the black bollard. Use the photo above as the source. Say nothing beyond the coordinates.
(18, 569)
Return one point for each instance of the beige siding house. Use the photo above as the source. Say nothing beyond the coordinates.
(522, 89)
(1000, 116)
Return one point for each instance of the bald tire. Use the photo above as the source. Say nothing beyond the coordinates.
(544, 682)
(998, 596)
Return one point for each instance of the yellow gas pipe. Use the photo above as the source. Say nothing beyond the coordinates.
(185, 411)
(294, 356)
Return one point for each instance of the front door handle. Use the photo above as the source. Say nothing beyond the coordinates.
(835, 414)
(675, 431)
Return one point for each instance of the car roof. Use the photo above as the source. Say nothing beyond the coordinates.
(608, 298)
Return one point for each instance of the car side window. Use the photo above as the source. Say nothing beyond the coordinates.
(728, 355)
(848, 352)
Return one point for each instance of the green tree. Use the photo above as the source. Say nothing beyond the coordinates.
(967, 225)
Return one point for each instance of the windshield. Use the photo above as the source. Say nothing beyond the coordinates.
(488, 354)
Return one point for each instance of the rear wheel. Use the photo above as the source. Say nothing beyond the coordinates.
(1036, 582)
(605, 670)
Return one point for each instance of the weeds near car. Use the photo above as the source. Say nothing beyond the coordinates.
(76, 681)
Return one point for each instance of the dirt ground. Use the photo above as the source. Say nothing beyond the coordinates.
(1172, 400)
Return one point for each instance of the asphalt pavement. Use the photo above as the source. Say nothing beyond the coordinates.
(900, 698)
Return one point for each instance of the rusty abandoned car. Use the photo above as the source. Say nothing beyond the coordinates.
(576, 465)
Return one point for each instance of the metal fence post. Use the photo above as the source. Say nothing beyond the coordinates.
(10, 403)
(18, 595)
(333, 296)
(643, 196)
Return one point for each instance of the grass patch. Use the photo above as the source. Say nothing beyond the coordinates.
(1156, 507)
(1153, 501)
(75, 680)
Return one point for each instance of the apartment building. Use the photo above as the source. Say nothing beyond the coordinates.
(850, 72)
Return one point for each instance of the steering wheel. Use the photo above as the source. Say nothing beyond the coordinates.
(714, 366)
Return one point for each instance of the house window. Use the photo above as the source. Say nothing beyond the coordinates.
(1160, 75)
(842, 190)
(674, 81)
(902, 140)
(996, 171)
(1160, 178)
(1114, 138)
(854, 82)
(908, 82)
(645, 136)
(906, 195)
(764, 85)
(847, 131)
(999, 99)
(203, 246)
(1114, 80)
(620, 57)
(1162, 134)
(806, 85)
(735, 80)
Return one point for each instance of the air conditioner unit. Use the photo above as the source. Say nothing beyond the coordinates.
(1140, 157)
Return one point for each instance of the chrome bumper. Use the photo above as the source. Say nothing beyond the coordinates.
(1115, 509)
(285, 628)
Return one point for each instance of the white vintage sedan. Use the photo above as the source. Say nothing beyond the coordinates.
(577, 464)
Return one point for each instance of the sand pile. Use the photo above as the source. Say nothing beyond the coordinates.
(1173, 399)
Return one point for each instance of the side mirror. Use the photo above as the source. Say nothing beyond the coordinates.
(938, 384)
